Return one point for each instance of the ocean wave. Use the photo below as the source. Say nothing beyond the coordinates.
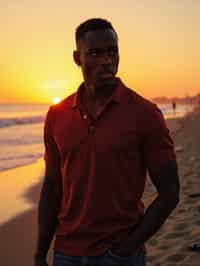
(7, 122)
(13, 162)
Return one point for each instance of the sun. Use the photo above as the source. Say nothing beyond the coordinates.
(56, 100)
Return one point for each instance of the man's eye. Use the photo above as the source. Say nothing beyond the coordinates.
(94, 53)
(113, 52)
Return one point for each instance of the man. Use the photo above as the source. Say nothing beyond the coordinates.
(99, 144)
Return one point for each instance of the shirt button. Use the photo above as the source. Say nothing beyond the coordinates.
(84, 116)
(91, 128)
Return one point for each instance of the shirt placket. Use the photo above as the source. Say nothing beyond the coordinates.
(92, 122)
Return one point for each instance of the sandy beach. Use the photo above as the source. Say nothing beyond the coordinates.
(20, 189)
(169, 246)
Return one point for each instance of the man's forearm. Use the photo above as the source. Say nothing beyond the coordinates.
(154, 217)
(47, 220)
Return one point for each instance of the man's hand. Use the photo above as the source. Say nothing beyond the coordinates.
(40, 261)
(124, 247)
(167, 184)
(122, 251)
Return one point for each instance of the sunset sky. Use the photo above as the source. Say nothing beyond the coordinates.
(159, 44)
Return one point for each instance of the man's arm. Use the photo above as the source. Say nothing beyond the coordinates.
(167, 184)
(49, 204)
(160, 160)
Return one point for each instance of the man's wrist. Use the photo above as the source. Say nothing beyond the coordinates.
(38, 262)
(40, 256)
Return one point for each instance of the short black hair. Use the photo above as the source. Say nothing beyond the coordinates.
(92, 24)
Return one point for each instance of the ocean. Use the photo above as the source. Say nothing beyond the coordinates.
(21, 131)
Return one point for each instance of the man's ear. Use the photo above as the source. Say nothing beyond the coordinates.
(76, 56)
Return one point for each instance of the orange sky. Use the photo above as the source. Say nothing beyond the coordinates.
(159, 44)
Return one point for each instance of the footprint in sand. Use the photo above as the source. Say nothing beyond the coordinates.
(152, 242)
(181, 210)
(164, 247)
(176, 258)
(174, 235)
(181, 227)
(197, 222)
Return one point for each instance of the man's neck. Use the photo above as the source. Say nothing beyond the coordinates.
(98, 94)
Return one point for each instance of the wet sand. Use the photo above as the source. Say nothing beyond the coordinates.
(169, 246)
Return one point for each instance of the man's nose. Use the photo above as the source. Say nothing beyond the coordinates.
(106, 59)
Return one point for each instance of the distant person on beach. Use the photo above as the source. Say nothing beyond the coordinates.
(174, 107)
(99, 144)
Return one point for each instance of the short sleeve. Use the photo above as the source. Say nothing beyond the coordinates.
(51, 152)
(158, 145)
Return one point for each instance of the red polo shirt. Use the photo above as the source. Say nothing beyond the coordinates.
(103, 164)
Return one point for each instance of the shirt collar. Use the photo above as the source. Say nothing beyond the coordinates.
(115, 96)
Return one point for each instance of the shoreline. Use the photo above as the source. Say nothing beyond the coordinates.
(174, 123)
(17, 181)
(167, 247)
(21, 165)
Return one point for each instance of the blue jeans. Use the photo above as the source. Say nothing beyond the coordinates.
(107, 259)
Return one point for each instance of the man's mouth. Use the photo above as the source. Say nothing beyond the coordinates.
(106, 75)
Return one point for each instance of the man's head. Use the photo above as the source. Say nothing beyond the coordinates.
(97, 52)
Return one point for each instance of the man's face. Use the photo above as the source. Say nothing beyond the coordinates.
(99, 58)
